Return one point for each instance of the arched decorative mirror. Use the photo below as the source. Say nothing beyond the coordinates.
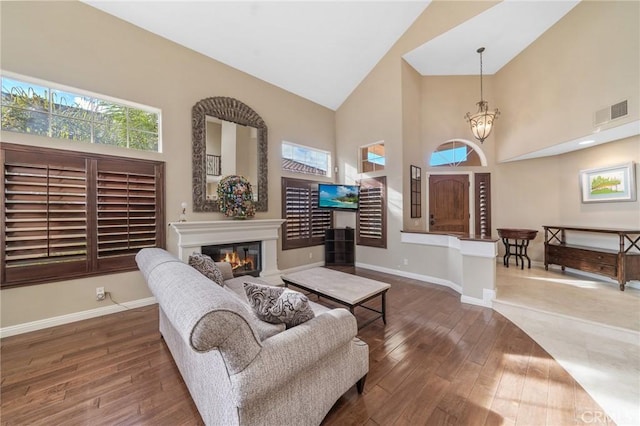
(229, 138)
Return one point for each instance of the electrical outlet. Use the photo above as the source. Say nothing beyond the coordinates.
(100, 294)
(310, 255)
(405, 261)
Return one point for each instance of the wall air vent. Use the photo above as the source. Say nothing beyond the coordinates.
(612, 112)
(619, 110)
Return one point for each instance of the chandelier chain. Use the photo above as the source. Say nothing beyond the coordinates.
(482, 121)
(481, 95)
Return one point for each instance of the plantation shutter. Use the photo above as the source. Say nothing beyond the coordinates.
(45, 215)
(126, 211)
(371, 224)
(320, 219)
(305, 223)
(296, 212)
(69, 215)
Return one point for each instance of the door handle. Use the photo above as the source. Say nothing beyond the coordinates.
(432, 222)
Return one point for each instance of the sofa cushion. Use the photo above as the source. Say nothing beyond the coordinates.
(237, 285)
(207, 267)
(292, 308)
(226, 269)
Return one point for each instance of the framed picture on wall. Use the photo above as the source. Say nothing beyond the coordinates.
(608, 184)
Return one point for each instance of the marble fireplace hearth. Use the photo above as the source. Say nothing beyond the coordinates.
(192, 236)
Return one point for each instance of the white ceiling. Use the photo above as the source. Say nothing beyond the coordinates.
(316, 49)
(505, 30)
(321, 50)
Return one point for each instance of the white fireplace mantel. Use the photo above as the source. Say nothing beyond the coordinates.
(193, 235)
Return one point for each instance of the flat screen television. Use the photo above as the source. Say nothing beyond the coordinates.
(338, 197)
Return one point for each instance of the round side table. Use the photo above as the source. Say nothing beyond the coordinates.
(518, 247)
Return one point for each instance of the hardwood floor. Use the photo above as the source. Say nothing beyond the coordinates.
(436, 362)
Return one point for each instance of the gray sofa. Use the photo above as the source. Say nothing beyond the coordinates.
(241, 371)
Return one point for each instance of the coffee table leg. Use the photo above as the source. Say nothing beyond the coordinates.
(384, 307)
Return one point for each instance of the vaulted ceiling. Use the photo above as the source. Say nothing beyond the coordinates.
(321, 50)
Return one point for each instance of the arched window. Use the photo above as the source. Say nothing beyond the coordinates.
(457, 152)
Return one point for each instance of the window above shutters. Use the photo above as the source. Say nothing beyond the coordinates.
(71, 214)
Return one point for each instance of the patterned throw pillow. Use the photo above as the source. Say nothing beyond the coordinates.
(278, 305)
(292, 308)
(207, 267)
(261, 299)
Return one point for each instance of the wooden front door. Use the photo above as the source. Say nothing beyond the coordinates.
(449, 203)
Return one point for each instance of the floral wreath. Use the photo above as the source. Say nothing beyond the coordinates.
(235, 197)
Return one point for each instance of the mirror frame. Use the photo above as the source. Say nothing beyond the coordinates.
(235, 111)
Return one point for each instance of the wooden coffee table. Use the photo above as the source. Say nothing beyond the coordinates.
(345, 289)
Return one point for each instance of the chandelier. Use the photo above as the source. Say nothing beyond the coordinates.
(482, 121)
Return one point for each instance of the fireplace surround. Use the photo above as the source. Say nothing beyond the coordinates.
(193, 236)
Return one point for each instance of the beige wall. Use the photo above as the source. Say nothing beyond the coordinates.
(76, 45)
(547, 95)
(587, 61)
(546, 191)
(445, 101)
(374, 112)
(412, 147)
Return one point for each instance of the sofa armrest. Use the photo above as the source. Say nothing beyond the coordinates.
(289, 353)
(205, 315)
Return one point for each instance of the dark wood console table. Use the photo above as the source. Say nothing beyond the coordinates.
(622, 265)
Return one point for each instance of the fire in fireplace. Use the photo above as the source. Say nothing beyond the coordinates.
(243, 257)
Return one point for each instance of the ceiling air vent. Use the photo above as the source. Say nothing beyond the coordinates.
(611, 113)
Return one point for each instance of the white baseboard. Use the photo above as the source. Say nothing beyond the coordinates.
(12, 330)
(412, 275)
(488, 296)
(302, 268)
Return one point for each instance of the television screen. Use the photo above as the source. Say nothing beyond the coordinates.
(341, 197)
